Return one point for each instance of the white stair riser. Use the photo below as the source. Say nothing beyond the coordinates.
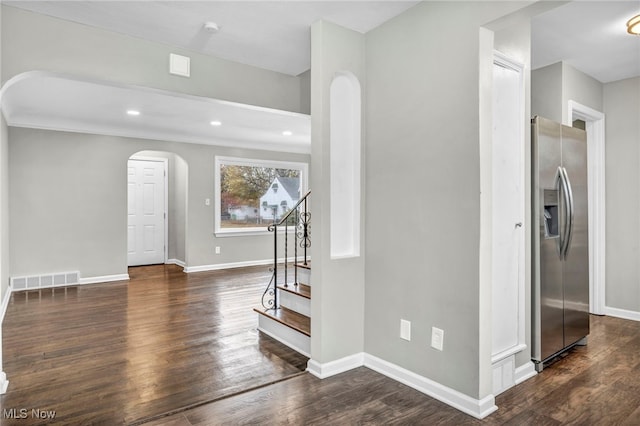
(295, 302)
(304, 276)
(294, 339)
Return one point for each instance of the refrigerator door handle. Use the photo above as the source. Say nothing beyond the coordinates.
(569, 198)
(562, 207)
(563, 202)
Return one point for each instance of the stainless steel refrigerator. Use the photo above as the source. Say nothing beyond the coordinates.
(560, 281)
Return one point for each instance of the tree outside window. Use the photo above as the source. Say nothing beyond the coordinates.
(252, 194)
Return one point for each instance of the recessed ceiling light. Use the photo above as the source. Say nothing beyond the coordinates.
(287, 133)
(133, 112)
(216, 123)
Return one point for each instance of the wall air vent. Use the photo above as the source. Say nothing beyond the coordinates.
(45, 281)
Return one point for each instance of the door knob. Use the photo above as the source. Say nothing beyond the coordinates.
(518, 224)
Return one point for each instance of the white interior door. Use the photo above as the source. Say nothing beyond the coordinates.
(508, 212)
(146, 212)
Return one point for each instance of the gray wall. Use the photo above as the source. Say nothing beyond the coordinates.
(546, 92)
(178, 208)
(37, 42)
(423, 132)
(579, 87)
(337, 311)
(69, 230)
(305, 92)
(553, 86)
(622, 109)
(68, 198)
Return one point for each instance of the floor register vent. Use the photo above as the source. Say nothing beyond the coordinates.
(45, 281)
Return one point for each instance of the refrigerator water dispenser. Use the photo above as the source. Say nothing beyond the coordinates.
(551, 217)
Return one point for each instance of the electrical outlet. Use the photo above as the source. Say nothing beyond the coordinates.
(217, 249)
(207, 202)
(437, 338)
(405, 329)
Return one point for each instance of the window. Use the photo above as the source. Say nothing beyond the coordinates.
(252, 194)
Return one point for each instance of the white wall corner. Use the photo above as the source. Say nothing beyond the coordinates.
(525, 372)
(328, 369)
(178, 262)
(478, 408)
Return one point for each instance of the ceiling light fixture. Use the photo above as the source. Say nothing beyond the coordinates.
(216, 123)
(287, 133)
(633, 25)
(133, 112)
(211, 27)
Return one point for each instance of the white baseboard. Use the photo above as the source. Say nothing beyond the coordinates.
(3, 308)
(328, 369)
(525, 372)
(474, 407)
(218, 266)
(4, 383)
(178, 262)
(622, 313)
(103, 279)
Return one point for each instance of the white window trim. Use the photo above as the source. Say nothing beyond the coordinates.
(251, 162)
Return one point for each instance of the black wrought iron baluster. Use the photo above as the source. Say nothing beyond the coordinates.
(295, 248)
(302, 237)
(306, 236)
(274, 227)
(286, 252)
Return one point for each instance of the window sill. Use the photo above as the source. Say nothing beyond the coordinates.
(239, 232)
(243, 232)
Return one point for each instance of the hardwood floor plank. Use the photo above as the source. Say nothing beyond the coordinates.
(168, 347)
(119, 353)
(598, 384)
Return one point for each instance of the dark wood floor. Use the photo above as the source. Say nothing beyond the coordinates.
(598, 384)
(120, 353)
(166, 348)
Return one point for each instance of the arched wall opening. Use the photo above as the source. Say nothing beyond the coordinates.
(174, 202)
(345, 152)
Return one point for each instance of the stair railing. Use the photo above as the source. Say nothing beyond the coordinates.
(300, 218)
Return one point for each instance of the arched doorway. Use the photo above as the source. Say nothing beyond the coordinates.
(156, 208)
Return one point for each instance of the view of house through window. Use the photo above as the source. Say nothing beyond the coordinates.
(252, 194)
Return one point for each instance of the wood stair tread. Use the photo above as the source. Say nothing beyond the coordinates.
(292, 319)
(303, 266)
(302, 290)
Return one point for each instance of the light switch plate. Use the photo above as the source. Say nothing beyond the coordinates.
(437, 338)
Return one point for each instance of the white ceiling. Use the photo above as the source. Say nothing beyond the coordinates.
(274, 35)
(588, 34)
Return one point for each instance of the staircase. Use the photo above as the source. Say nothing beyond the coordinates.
(286, 303)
